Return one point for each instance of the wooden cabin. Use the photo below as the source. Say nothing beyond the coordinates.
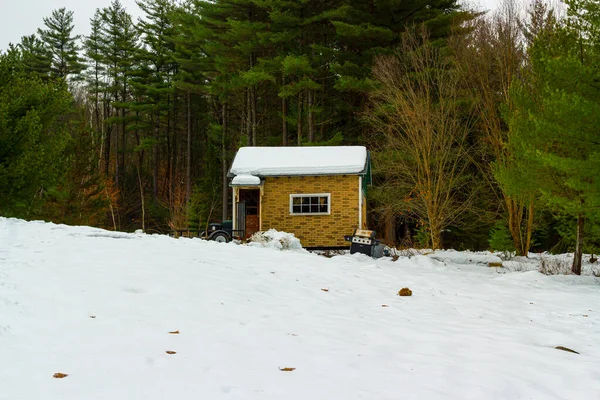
(316, 193)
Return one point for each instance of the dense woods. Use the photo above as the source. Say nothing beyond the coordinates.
(483, 126)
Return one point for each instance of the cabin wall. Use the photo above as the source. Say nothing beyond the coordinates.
(313, 230)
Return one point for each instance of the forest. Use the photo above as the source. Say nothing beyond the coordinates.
(483, 126)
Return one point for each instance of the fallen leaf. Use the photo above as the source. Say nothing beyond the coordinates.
(287, 369)
(585, 315)
(171, 352)
(60, 375)
(405, 292)
(293, 334)
(174, 333)
(384, 305)
(565, 349)
(92, 316)
(325, 289)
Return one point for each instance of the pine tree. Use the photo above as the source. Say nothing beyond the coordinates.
(33, 136)
(119, 46)
(61, 44)
(35, 55)
(553, 127)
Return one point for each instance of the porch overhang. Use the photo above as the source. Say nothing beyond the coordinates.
(245, 181)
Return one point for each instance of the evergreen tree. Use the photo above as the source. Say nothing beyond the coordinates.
(119, 46)
(553, 127)
(61, 44)
(33, 136)
(35, 55)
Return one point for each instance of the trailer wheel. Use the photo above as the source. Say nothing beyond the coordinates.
(221, 237)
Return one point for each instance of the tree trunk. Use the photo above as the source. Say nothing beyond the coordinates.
(390, 228)
(107, 134)
(515, 211)
(253, 109)
(578, 245)
(284, 114)
(117, 145)
(123, 145)
(248, 119)
(311, 117)
(529, 228)
(300, 119)
(188, 168)
(155, 150)
(224, 164)
(406, 236)
(142, 198)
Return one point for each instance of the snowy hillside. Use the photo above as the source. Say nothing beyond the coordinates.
(99, 307)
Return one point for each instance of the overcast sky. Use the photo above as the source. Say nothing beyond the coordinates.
(22, 17)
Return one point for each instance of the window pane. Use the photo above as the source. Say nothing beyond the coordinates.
(297, 200)
(305, 200)
(305, 208)
(314, 200)
(297, 209)
(323, 208)
(314, 208)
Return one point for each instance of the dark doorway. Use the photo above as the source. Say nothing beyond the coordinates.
(251, 199)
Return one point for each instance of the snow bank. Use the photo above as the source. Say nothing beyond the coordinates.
(465, 257)
(275, 240)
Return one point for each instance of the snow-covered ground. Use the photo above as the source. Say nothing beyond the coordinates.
(99, 306)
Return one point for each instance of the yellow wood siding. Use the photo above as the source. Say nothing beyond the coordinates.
(312, 230)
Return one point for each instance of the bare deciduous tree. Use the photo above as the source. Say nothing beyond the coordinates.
(490, 59)
(421, 125)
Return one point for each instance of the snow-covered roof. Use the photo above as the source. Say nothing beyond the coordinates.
(285, 161)
(245, 180)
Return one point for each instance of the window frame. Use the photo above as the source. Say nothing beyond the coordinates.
(302, 195)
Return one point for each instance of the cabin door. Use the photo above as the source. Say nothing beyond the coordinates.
(250, 212)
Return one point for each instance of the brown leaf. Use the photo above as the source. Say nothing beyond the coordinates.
(174, 333)
(325, 289)
(565, 349)
(405, 292)
(384, 305)
(171, 352)
(92, 316)
(60, 375)
(287, 369)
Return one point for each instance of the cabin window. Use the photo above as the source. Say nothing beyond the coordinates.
(310, 204)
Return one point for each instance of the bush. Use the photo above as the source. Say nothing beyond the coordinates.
(555, 266)
(500, 238)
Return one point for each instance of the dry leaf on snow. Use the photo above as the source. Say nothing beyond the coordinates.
(60, 375)
(325, 289)
(171, 352)
(174, 333)
(566, 349)
(287, 369)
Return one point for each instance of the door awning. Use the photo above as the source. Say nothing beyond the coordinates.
(245, 180)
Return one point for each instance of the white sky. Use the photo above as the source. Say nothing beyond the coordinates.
(23, 17)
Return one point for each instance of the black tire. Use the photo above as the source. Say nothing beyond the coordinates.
(220, 237)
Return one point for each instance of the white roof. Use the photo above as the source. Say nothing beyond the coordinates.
(284, 161)
(245, 180)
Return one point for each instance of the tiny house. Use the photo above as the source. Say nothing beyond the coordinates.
(316, 193)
